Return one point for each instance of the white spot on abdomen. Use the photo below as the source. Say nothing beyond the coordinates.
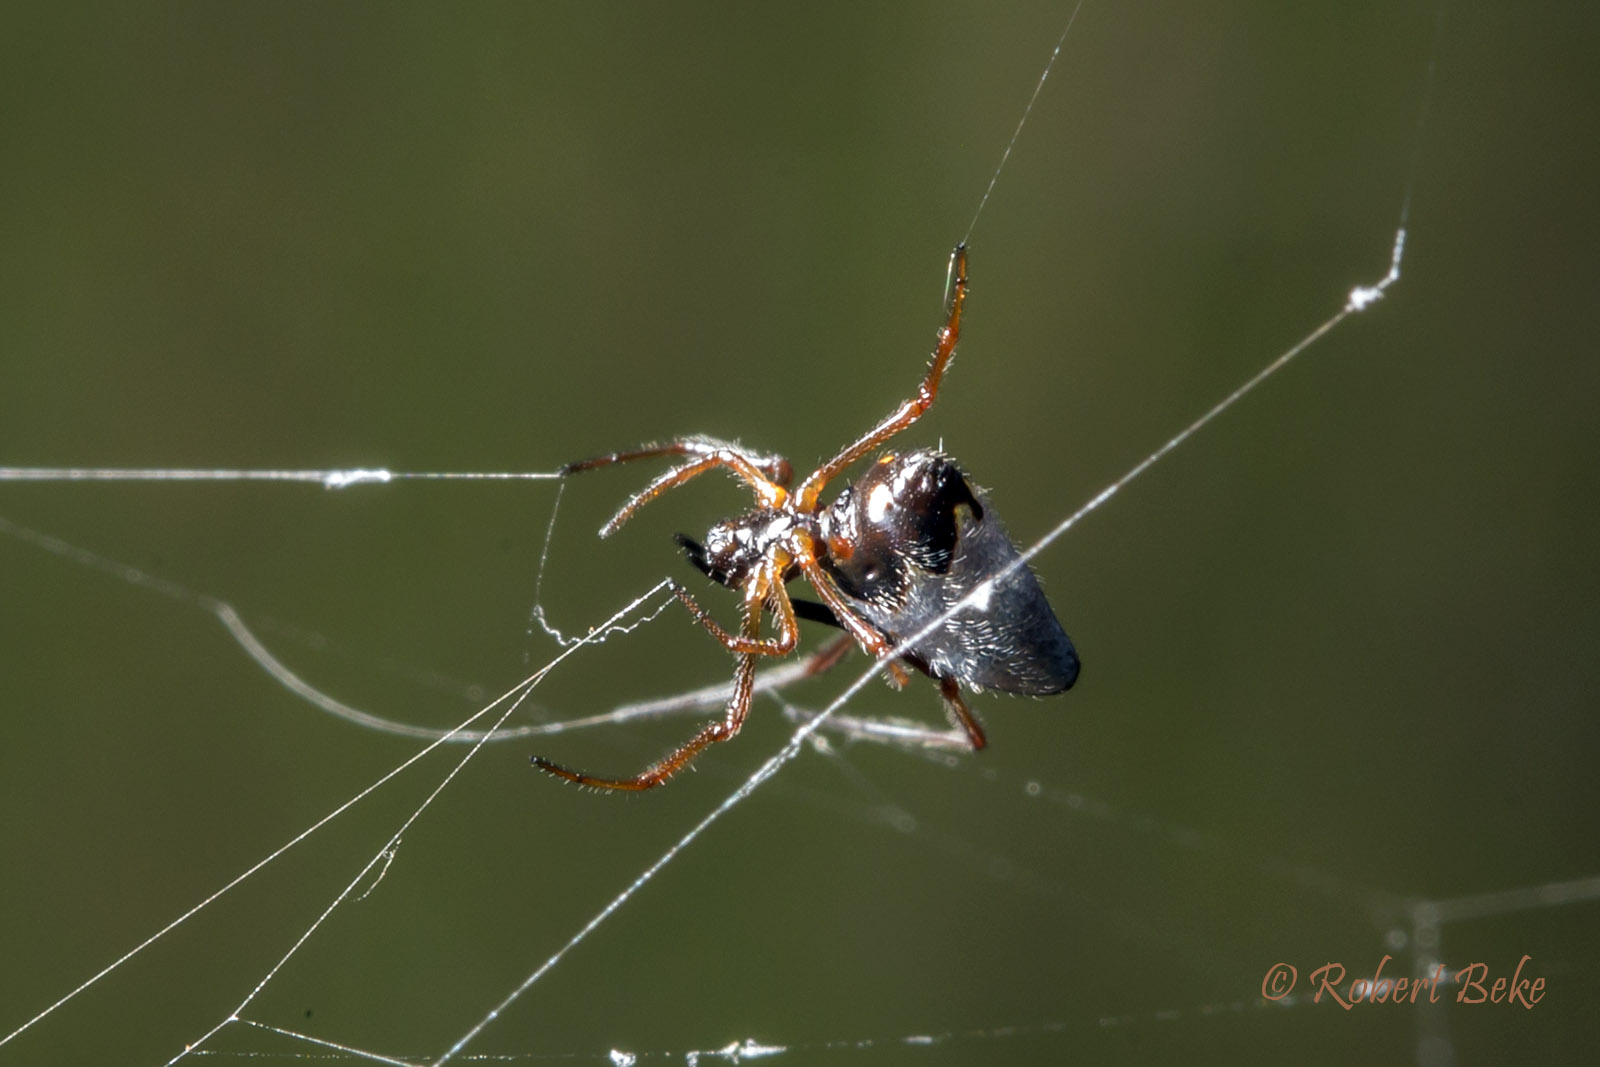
(879, 502)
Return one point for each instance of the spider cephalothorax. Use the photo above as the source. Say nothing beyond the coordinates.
(890, 557)
(735, 548)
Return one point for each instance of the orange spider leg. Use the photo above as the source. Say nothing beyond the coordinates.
(769, 494)
(775, 467)
(780, 644)
(867, 636)
(960, 714)
(830, 655)
(748, 645)
(910, 410)
(877, 646)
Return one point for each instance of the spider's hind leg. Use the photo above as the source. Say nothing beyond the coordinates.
(960, 714)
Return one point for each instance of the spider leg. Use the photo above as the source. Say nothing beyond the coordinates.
(769, 494)
(774, 467)
(960, 714)
(877, 645)
(738, 707)
(829, 655)
(909, 410)
(780, 644)
(867, 636)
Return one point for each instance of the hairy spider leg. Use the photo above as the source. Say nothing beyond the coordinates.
(867, 636)
(874, 643)
(879, 646)
(769, 494)
(738, 705)
(776, 599)
(909, 410)
(774, 467)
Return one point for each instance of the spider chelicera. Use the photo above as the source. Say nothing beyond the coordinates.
(888, 556)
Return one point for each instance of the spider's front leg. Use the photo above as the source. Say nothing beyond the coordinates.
(766, 475)
(774, 467)
(769, 494)
(909, 410)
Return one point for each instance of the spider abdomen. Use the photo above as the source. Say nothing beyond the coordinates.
(920, 538)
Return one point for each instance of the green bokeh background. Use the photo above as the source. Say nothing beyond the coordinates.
(1339, 650)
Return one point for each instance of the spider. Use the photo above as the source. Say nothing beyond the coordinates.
(887, 556)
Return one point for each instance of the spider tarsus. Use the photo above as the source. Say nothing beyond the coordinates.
(556, 769)
(648, 780)
(579, 465)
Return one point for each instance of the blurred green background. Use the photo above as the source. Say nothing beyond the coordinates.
(1339, 650)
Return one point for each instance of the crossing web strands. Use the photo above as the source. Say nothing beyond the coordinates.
(267, 783)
